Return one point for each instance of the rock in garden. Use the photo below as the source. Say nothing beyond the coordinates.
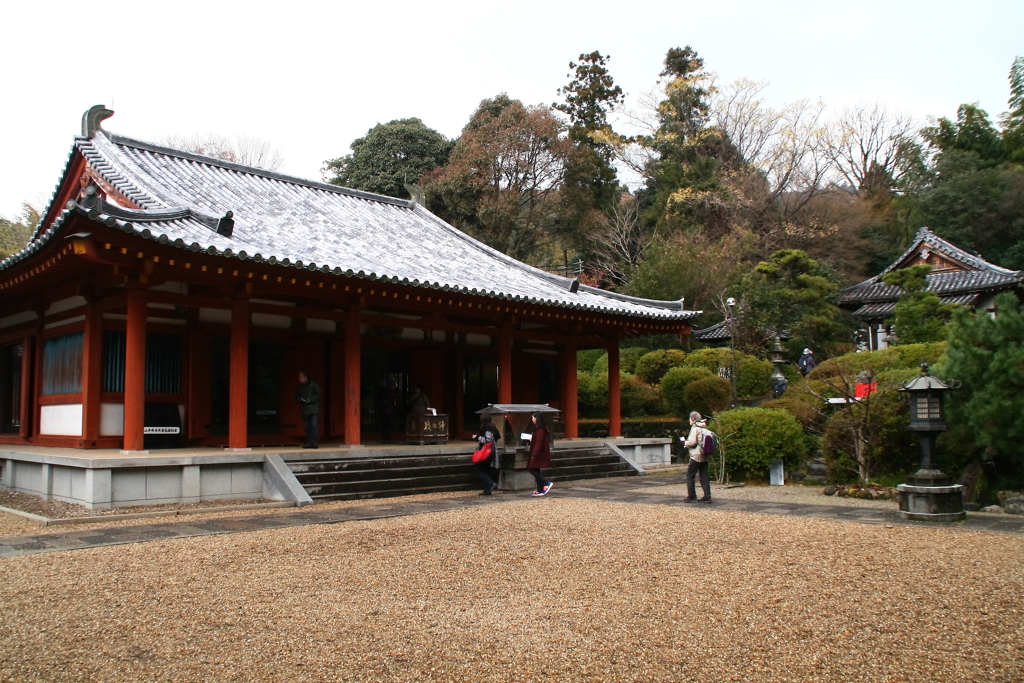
(1015, 506)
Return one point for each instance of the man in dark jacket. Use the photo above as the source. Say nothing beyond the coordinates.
(307, 393)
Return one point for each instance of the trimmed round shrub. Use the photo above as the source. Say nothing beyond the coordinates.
(673, 387)
(652, 366)
(894, 358)
(636, 399)
(708, 395)
(753, 375)
(627, 361)
(585, 359)
(752, 438)
(585, 402)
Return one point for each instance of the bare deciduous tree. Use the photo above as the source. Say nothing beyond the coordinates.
(618, 242)
(869, 146)
(785, 147)
(242, 149)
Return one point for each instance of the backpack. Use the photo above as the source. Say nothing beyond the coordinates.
(708, 443)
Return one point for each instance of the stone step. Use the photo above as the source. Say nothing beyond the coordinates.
(343, 479)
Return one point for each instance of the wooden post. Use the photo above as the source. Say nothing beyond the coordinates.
(458, 420)
(570, 414)
(92, 366)
(27, 398)
(238, 392)
(353, 363)
(135, 369)
(505, 365)
(614, 402)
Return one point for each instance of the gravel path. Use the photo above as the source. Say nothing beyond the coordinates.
(803, 495)
(550, 589)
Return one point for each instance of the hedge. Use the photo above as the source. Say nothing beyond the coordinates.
(673, 387)
(752, 438)
(707, 395)
(753, 375)
(652, 366)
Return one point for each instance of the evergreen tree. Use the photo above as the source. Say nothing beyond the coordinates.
(589, 185)
(919, 315)
(986, 354)
(793, 295)
(687, 192)
(389, 157)
(14, 235)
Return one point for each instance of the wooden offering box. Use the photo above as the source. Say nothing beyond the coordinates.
(422, 429)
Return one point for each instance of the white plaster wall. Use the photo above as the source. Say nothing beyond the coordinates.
(271, 320)
(111, 419)
(65, 305)
(319, 325)
(170, 286)
(215, 315)
(61, 420)
(18, 318)
(66, 321)
(478, 339)
(412, 333)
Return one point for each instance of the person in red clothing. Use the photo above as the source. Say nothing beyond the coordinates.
(540, 454)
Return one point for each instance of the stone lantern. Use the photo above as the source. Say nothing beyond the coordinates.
(778, 359)
(929, 495)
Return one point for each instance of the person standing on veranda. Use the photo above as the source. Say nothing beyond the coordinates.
(307, 394)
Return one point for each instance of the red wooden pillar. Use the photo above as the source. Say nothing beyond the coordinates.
(238, 393)
(353, 366)
(505, 365)
(92, 366)
(570, 414)
(135, 369)
(614, 403)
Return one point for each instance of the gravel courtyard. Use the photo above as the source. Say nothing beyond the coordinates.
(549, 589)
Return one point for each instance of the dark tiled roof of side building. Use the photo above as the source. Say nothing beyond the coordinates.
(299, 223)
(979, 276)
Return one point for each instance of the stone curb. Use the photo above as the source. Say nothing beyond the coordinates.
(63, 521)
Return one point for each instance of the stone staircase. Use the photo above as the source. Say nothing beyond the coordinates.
(351, 478)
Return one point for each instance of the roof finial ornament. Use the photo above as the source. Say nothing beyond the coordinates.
(226, 225)
(92, 118)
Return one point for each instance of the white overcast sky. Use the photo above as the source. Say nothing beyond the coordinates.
(310, 77)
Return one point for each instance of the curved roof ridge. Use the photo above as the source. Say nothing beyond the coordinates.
(252, 170)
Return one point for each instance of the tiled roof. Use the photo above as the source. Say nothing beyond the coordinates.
(884, 309)
(980, 275)
(716, 332)
(296, 223)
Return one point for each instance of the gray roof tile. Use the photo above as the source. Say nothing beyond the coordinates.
(308, 224)
(981, 275)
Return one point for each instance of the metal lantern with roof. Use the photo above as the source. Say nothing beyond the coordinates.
(927, 403)
(929, 495)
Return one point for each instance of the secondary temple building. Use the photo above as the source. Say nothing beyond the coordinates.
(170, 299)
(957, 276)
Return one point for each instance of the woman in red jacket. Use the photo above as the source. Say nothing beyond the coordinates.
(540, 454)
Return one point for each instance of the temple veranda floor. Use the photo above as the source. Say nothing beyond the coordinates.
(612, 580)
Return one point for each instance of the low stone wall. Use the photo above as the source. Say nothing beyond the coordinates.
(670, 429)
(99, 484)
